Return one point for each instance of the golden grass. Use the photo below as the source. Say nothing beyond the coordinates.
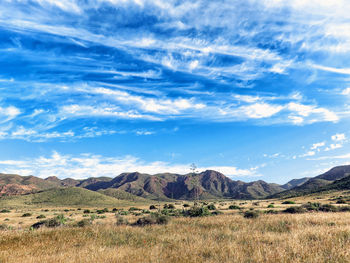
(312, 237)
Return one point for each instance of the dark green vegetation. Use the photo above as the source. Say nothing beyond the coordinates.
(60, 197)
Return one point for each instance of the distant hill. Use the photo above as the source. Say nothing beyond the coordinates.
(295, 182)
(315, 184)
(206, 185)
(70, 196)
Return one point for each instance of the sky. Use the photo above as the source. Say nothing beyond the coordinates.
(255, 89)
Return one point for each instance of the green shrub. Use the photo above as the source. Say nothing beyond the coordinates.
(114, 210)
(134, 209)
(52, 222)
(5, 211)
(216, 212)
(171, 206)
(251, 214)
(123, 213)
(270, 206)
(271, 211)
(344, 209)
(234, 207)
(40, 216)
(295, 210)
(197, 212)
(87, 211)
(153, 219)
(84, 223)
(328, 208)
(312, 206)
(186, 205)
(152, 207)
(26, 215)
(288, 202)
(211, 207)
(341, 201)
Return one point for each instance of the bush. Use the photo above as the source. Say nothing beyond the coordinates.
(211, 207)
(40, 216)
(216, 212)
(312, 206)
(171, 206)
(341, 201)
(153, 219)
(197, 212)
(152, 207)
(270, 206)
(234, 207)
(344, 209)
(52, 222)
(328, 208)
(84, 223)
(3, 227)
(134, 209)
(251, 214)
(114, 210)
(123, 213)
(288, 202)
(186, 205)
(5, 211)
(26, 215)
(271, 211)
(87, 211)
(295, 210)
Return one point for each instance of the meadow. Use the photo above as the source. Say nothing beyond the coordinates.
(113, 236)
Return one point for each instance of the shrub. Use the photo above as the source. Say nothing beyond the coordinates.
(271, 211)
(152, 207)
(114, 210)
(84, 223)
(312, 206)
(341, 201)
(52, 222)
(134, 209)
(295, 210)
(344, 209)
(328, 208)
(87, 211)
(5, 211)
(145, 211)
(66, 210)
(153, 219)
(123, 213)
(211, 207)
(288, 202)
(197, 212)
(40, 216)
(251, 214)
(270, 206)
(3, 227)
(216, 212)
(171, 206)
(234, 207)
(26, 215)
(186, 205)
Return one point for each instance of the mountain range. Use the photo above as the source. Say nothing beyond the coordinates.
(205, 185)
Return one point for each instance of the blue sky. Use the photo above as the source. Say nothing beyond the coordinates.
(256, 89)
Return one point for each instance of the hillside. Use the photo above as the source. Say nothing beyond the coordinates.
(205, 185)
(121, 195)
(62, 197)
(318, 183)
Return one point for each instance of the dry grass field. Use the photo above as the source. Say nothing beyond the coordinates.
(228, 237)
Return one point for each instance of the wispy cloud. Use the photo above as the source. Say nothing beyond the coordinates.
(90, 165)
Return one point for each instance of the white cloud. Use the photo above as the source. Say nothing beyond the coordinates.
(8, 113)
(339, 137)
(89, 165)
(317, 145)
